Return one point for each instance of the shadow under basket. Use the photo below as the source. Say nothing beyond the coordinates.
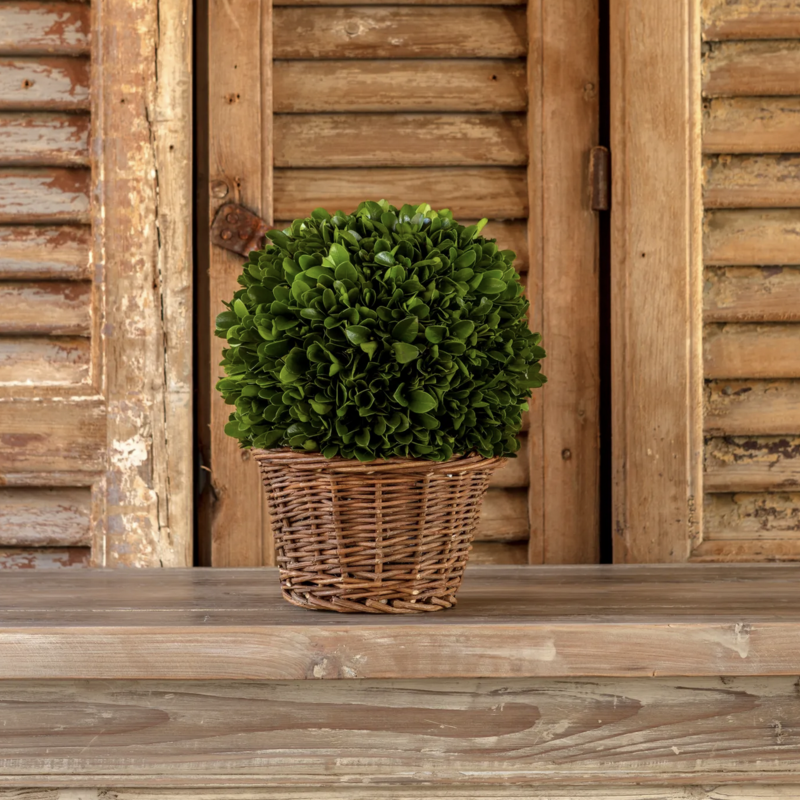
(389, 537)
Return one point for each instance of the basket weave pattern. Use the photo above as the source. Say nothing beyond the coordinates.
(382, 537)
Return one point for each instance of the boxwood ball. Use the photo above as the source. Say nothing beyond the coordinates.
(380, 333)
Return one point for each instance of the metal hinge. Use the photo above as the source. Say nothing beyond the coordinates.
(600, 178)
(238, 229)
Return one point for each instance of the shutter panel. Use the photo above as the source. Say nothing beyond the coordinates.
(489, 109)
(729, 72)
(94, 394)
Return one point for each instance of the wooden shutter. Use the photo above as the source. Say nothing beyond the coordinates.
(487, 109)
(706, 215)
(95, 284)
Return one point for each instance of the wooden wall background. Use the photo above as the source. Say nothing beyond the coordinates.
(487, 108)
(95, 283)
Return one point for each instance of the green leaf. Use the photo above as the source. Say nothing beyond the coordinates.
(226, 319)
(240, 308)
(358, 334)
(339, 254)
(463, 329)
(384, 258)
(435, 333)
(492, 286)
(369, 348)
(406, 330)
(320, 214)
(346, 272)
(404, 353)
(421, 402)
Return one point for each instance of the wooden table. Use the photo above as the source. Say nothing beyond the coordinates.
(645, 683)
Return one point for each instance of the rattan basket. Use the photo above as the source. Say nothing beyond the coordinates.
(387, 537)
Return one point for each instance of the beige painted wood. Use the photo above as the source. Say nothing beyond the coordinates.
(752, 464)
(48, 558)
(32, 26)
(752, 69)
(656, 281)
(752, 19)
(43, 138)
(746, 551)
(752, 294)
(633, 621)
(399, 32)
(239, 526)
(751, 351)
(751, 125)
(45, 361)
(467, 191)
(336, 733)
(46, 307)
(52, 83)
(45, 517)
(751, 181)
(44, 195)
(563, 443)
(752, 408)
(399, 140)
(754, 516)
(402, 86)
(42, 252)
(753, 236)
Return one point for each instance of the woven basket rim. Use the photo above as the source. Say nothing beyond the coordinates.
(294, 459)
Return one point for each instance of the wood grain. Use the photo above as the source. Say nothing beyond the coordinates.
(752, 69)
(44, 139)
(751, 181)
(46, 307)
(44, 195)
(399, 140)
(496, 553)
(751, 125)
(752, 408)
(45, 361)
(34, 252)
(753, 516)
(752, 464)
(751, 351)
(30, 27)
(504, 516)
(751, 237)
(24, 558)
(468, 192)
(399, 32)
(562, 229)
(45, 517)
(618, 731)
(754, 19)
(515, 473)
(510, 235)
(746, 551)
(752, 294)
(452, 85)
(656, 281)
(44, 84)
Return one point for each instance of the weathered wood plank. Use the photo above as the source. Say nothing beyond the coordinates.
(44, 139)
(754, 19)
(399, 32)
(751, 181)
(32, 26)
(44, 195)
(45, 517)
(468, 85)
(751, 125)
(751, 294)
(751, 351)
(13, 558)
(468, 192)
(492, 553)
(399, 140)
(273, 734)
(752, 408)
(44, 84)
(752, 516)
(50, 435)
(44, 361)
(751, 237)
(515, 473)
(752, 464)
(656, 280)
(746, 551)
(46, 307)
(29, 252)
(504, 516)
(752, 69)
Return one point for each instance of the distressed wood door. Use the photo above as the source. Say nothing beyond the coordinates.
(490, 109)
(95, 284)
(706, 272)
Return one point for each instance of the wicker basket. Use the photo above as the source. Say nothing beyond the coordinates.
(387, 537)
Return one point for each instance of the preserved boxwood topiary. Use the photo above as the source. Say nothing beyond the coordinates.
(380, 333)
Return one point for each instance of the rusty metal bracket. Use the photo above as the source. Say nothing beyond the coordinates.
(600, 178)
(238, 229)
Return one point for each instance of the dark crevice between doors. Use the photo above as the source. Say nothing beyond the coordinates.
(604, 218)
